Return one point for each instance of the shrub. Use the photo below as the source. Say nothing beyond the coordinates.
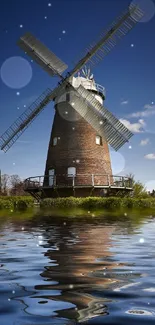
(107, 203)
(110, 203)
(17, 202)
(6, 204)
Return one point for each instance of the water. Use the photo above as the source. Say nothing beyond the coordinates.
(76, 271)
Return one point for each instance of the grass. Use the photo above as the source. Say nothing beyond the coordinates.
(16, 202)
(109, 203)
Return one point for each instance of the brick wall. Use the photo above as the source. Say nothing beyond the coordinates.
(76, 147)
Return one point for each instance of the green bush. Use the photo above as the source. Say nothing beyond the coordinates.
(98, 202)
(6, 204)
(16, 202)
(138, 203)
(61, 202)
(109, 203)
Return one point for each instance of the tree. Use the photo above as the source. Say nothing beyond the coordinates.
(17, 185)
(11, 185)
(139, 189)
(5, 184)
(152, 193)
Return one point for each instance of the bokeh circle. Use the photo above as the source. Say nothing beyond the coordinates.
(147, 6)
(66, 109)
(117, 161)
(16, 72)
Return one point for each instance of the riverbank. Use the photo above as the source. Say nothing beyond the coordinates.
(16, 202)
(98, 202)
(109, 203)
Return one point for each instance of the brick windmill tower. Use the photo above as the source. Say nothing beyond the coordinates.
(76, 149)
(78, 160)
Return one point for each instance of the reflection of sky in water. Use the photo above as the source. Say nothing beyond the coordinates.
(139, 245)
(58, 273)
(43, 307)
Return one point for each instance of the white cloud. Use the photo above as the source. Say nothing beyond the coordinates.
(124, 102)
(150, 156)
(148, 106)
(149, 111)
(142, 114)
(134, 127)
(144, 142)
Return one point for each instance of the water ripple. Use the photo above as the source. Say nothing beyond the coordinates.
(70, 272)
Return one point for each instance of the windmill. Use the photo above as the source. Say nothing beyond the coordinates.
(78, 155)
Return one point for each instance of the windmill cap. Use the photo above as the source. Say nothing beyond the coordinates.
(89, 84)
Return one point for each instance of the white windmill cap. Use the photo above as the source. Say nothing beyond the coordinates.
(86, 83)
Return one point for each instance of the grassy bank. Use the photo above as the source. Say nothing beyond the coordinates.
(98, 203)
(16, 202)
(111, 203)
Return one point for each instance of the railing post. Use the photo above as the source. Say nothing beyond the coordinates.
(92, 177)
(109, 180)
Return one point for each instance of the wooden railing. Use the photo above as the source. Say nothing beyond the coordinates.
(79, 180)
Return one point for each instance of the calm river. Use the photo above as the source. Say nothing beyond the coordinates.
(88, 270)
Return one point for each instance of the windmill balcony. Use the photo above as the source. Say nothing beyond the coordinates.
(99, 88)
(77, 185)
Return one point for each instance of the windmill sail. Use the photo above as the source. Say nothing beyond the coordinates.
(42, 55)
(104, 122)
(10, 136)
(110, 38)
(85, 104)
(18, 127)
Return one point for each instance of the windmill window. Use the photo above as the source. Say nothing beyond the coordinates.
(55, 141)
(98, 140)
(67, 97)
(51, 173)
(71, 171)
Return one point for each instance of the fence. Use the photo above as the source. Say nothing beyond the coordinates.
(79, 180)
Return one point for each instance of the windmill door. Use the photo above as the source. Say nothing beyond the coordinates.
(51, 177)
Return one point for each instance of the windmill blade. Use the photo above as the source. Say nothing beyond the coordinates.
(21, 124)
(104, 122)
(42, 55)
(110, 38)
(84, 73)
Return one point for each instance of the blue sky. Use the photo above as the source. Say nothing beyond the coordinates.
(127, 73)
